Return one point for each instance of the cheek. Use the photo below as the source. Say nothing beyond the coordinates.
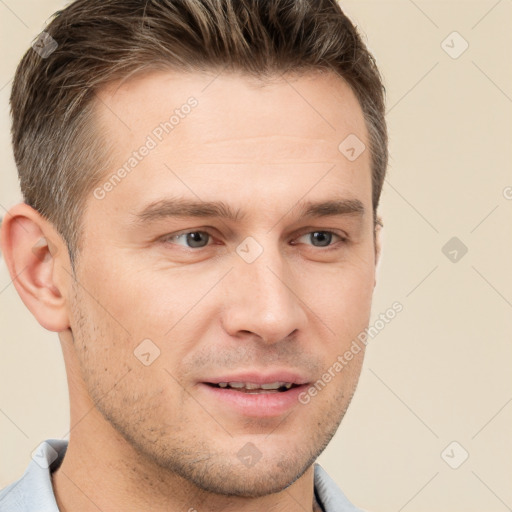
(143, 302)
(140, 302)
(342, 297)
(101, 348)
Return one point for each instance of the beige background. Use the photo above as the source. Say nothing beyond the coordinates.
(440, 371)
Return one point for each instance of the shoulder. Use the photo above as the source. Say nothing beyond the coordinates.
(34, 491)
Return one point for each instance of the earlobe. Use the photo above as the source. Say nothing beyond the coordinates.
(35, 254)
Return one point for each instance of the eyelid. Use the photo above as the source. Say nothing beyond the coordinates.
(166, 238)
(306, 231)
(314, 229)
(342, 236)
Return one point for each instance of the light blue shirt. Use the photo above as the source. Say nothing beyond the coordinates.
(33, 492)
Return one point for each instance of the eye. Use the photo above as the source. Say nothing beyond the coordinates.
(321, 238)
(190, 239)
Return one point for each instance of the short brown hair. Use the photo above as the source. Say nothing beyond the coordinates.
(99, 41)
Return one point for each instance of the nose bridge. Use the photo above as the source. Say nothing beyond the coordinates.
(261, 299)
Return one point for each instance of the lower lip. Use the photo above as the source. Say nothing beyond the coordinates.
(261, 405)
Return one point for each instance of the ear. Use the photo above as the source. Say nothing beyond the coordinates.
(378, 244)
(37, 259)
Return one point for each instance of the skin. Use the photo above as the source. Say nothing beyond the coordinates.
(151, 437)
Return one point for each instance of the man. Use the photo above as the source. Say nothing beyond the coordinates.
(201, 182)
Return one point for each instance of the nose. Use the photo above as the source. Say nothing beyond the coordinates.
(263, 298)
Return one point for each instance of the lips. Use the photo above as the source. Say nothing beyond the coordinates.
(280, 380)
(255, 394)
(252, 387)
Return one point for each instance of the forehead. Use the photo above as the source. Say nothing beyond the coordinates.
(315, 106)
(207, 131)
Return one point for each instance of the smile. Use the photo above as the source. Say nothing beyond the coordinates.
(253, 388)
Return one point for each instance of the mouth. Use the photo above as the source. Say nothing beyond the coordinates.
(252, 388)
(255, 394)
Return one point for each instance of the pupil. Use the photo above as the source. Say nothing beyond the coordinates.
(194, 239)
(323, 237)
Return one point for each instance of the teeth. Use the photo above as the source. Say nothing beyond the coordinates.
(252, 386)
(237, 385)
(275, 385)
(249, 385)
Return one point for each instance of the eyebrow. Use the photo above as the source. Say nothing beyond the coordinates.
(179, 207)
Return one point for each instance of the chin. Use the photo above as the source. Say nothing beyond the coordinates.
(264, 478)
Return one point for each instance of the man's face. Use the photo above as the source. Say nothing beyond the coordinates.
(269, 297)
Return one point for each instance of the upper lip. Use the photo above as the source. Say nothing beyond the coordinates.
(261, 377)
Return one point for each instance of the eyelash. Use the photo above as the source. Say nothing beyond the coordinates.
(342, 239)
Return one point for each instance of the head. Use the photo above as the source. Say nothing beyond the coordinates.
(194, 214)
